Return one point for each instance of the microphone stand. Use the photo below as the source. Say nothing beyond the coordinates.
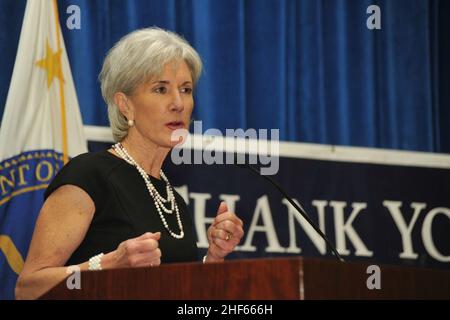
(298, 208)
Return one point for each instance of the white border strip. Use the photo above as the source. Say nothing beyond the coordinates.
(308, 150)
(98, 134)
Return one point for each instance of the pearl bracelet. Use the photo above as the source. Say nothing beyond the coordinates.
(95, 262)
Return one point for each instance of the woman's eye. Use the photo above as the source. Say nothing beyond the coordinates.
(161, 90)
(186, 90)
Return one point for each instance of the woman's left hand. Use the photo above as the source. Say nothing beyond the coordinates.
(224, 234)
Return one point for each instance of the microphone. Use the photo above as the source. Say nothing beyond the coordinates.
(298, 208)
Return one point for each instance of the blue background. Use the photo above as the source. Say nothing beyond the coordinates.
(310, 68)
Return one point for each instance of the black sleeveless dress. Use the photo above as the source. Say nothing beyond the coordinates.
(124, 208)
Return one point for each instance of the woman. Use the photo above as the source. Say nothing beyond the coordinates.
(116, 208)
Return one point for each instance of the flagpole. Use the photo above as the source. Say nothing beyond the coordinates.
(61, 91)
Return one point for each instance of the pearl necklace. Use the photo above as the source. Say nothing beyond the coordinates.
(158, 200)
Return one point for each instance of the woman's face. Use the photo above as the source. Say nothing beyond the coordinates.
(163, 104)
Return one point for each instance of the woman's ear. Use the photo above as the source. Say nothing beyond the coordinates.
(122, 102)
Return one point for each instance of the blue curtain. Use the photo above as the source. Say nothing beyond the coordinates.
(310, 68)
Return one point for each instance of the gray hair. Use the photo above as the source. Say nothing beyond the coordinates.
(136, 58)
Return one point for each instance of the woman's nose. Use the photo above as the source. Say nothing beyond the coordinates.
(177, 102)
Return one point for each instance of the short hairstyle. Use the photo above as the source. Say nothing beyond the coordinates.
(136, 58)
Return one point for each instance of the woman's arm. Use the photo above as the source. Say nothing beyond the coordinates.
(60, 228)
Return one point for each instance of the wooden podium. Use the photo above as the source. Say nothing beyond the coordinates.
(261, 279)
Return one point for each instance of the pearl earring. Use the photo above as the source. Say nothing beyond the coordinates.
(130, 123)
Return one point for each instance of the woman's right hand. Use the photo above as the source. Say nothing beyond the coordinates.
(142, 251)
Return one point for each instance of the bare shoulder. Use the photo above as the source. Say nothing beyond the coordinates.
(60, 228)
(70, 198)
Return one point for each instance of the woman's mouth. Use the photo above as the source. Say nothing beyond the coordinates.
(174, 125)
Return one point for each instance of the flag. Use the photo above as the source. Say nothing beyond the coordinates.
(40, 131)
